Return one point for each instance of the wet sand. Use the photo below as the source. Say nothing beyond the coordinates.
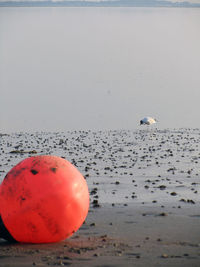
(144, 197)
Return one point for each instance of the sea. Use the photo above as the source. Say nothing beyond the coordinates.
(98, 68)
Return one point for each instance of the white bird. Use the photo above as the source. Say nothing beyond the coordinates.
(147, 121)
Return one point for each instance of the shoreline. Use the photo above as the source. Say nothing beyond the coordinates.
(144, 198)
(119, 236)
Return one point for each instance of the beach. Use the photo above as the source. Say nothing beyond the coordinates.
(144, 197)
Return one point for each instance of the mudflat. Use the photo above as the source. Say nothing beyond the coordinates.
(144, 197)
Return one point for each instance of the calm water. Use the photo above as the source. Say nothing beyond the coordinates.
(98, 68)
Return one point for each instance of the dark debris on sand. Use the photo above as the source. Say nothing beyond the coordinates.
(149, 179)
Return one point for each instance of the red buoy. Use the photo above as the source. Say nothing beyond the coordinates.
(43, 199)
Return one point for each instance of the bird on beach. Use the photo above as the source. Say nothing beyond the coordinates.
(147, 121)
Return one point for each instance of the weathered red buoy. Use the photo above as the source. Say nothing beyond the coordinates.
(43, 199)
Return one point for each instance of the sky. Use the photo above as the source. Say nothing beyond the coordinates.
(98, 68)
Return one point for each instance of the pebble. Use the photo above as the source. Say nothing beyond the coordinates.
(173, 194)
(163, 214)
(164, 256)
